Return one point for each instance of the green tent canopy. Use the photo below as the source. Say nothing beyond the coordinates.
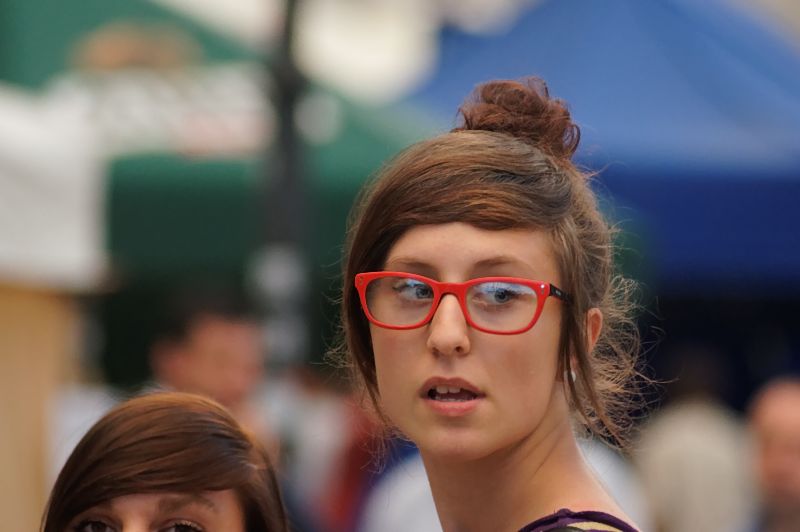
(170, 217)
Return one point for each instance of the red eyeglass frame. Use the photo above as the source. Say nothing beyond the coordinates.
(543, 291)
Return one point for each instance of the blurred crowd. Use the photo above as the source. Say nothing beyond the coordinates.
(697, 464)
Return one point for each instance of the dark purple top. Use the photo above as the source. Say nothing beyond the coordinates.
(588, 521)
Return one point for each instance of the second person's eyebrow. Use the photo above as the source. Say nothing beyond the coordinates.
(170, 504)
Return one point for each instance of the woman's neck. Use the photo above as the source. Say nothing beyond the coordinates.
(515, 486)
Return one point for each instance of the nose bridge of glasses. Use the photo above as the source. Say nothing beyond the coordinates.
(459, 292)
(454, 289)
(449, 290)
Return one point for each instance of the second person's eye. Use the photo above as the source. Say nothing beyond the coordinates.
(183, 526)
(93, 525)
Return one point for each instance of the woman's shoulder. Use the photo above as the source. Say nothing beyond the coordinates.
(587, 521)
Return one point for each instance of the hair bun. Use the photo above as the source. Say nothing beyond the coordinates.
(525, 110)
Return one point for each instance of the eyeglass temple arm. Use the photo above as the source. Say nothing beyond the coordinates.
(559, 293)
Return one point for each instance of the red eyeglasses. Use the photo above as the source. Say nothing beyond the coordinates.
(498, 305)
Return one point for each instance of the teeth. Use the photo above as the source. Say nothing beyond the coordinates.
(441, 389)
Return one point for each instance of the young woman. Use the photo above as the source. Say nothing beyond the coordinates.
(483, 316)
(166, 462)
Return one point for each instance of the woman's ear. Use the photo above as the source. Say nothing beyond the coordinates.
(594, 324)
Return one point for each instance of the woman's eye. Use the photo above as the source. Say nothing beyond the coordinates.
(93, 526)
(414, 290)
(501, 293)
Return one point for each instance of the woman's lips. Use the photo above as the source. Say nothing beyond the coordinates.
(451, 396)
(449, 384)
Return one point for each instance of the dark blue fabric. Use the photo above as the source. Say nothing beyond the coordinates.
(691, 109)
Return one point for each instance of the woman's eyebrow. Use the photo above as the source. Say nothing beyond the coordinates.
(412, 264)
(499, 260)
(407, 262)
(494, 260)
(171, 504)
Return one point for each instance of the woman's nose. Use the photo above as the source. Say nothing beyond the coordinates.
(448, 330)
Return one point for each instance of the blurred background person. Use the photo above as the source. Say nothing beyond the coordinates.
(692, 452)
(210, 342)
(775, 425)
(203, 339)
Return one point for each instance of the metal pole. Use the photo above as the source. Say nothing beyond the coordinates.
(287, 199)
(282, 272)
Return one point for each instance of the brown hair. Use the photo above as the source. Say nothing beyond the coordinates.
(167, 442)
(508, 166)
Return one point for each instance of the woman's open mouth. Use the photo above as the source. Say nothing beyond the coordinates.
(451, 394)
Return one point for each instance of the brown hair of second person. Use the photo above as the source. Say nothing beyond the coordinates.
(167, 442)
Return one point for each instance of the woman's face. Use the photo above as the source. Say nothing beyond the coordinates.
(512, 379)
(209, 511)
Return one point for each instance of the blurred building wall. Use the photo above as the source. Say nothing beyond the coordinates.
(37, 330)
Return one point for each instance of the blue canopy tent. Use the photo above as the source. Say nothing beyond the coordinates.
(691, 110)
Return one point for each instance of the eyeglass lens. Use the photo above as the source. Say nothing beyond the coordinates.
(494, 305)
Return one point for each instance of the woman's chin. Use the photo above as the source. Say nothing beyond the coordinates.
(454, 447)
